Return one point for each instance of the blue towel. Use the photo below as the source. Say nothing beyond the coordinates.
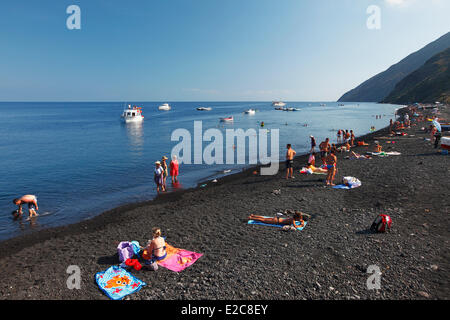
(117, 283)
(343, 186)
(274, 225)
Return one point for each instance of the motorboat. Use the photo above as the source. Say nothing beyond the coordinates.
(204, 108)
(278, 104)
(165, 107)
(250, 111)
(228, 119)
(132, 114)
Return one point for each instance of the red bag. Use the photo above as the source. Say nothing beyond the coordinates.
(382, 223)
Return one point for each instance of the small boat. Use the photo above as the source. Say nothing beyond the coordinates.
(250, 111)
(165, 107)
(204, 108)
(290, 109)
(279, 108)
(278, 104)
(132, 114)
(229, 119)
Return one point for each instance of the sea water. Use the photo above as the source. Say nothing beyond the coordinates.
(79, 159)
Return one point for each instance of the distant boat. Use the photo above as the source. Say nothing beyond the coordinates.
(165, 107)
(278, 104)
(132, 114)
(229, 119)
(204, 108)
(279, 108)
(250, 111)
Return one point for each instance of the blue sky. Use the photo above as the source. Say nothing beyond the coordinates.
(205, 50)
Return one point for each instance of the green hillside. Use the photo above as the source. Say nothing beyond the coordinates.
(428, 84)
(378, 87)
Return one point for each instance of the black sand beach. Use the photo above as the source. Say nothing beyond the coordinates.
(327, 260)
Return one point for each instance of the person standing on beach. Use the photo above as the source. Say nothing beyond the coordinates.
(174, 169)
(331, 167)
(31, 201)
(165, 171)
(158, 177)
(313, 144)
(352, 138)
(433, 132)
(324, 147)
(339, 136)
(290, 154)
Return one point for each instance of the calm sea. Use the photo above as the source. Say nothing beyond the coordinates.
(80, 160)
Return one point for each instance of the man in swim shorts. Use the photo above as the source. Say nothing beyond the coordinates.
(324, 147)
(290, 154)
(31, 201)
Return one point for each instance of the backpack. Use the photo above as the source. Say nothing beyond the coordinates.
(382, 223)
(125, 251)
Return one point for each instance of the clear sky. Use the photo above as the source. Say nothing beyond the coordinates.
(205, 50)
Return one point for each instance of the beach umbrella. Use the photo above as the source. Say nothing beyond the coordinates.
(437, 125)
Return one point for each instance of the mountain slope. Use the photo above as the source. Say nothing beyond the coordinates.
(428, 84)
(378, 87)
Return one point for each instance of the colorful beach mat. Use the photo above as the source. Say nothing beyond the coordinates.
(117, 283)
(274, 225)
(178, 259)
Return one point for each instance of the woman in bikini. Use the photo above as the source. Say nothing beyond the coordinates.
(155, 250)
(296, 220)
(331, 167)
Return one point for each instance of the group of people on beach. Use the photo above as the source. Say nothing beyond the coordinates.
(329, 150)
(161, 173)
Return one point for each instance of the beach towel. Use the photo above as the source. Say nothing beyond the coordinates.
(379, 154)
(117, 283)
(275, 225)
(178, 259)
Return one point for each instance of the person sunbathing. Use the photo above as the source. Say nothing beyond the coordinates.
(359, 156)
(378, 147)
(316, 169)
(155, 249)
(296, 220)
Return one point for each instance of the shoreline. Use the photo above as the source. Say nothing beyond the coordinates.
(19, 242)
(328, 260)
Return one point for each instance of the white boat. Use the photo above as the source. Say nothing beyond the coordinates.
(250, 111)
(204, 108)
(229, 119)
(278, 104)
(164, 106)
(132, 114)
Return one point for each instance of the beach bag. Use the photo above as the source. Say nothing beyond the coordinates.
(125, 251)
(352, 182)
(382, 223)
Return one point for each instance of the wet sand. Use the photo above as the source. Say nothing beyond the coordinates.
(327, 260)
